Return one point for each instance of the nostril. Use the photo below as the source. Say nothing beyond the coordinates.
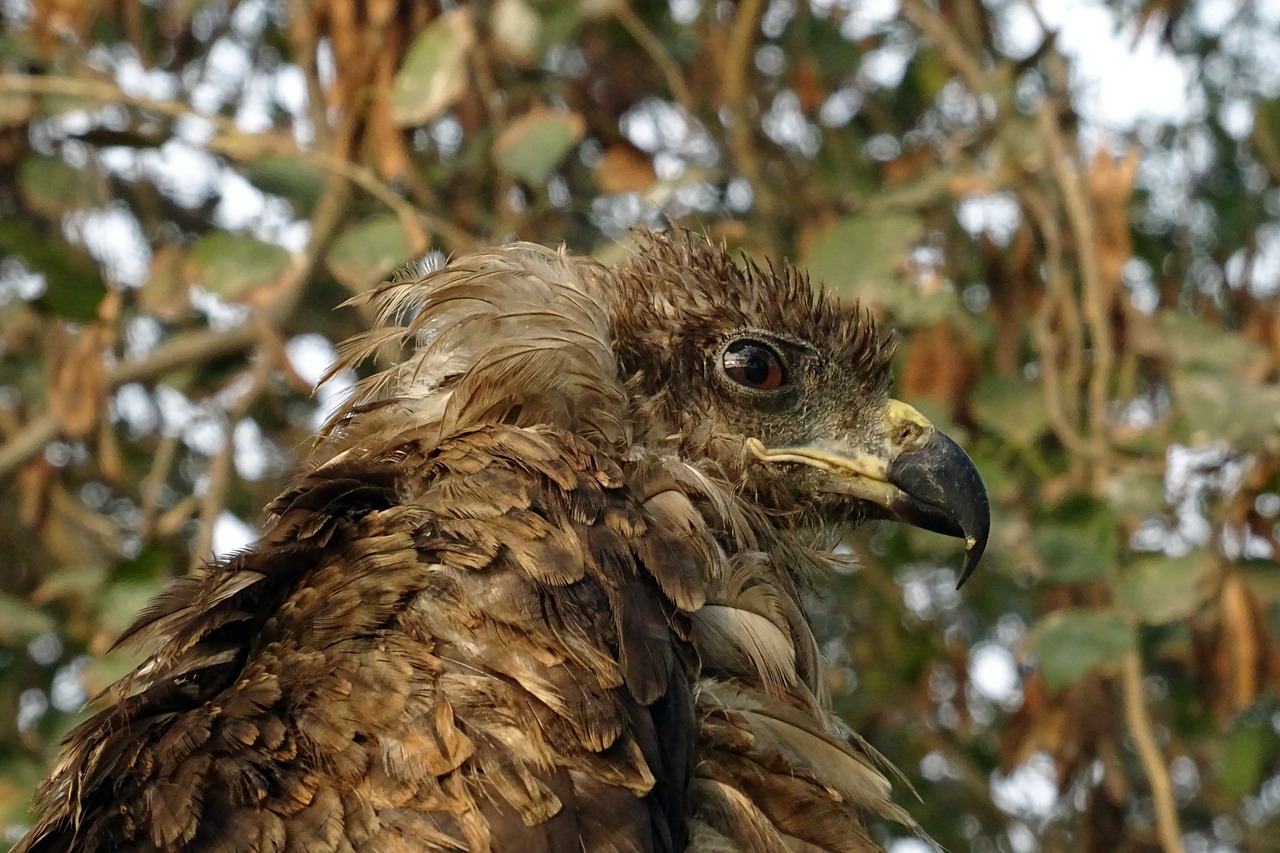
(909, 434)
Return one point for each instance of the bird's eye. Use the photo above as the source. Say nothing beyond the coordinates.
(754, 365)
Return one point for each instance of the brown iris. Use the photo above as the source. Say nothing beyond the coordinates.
(754, 365)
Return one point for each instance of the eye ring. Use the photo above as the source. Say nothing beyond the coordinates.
(753, 365)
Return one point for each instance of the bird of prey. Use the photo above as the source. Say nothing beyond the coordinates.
(538, 587)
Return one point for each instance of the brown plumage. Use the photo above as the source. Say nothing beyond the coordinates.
(537, 587)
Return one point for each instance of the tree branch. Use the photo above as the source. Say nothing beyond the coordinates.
(1067, 170)
(953, 50)
(32, 438)
(656, 51)
(1139, 722)
(735, 94)
(230, 141)
(197, 346)
(1060, 384)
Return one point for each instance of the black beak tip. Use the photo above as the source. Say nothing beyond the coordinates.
(945, 494)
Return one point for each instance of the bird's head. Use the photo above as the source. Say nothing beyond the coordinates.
(783, 389)
(746, 370)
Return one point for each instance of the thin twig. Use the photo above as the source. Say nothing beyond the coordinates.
(1062, 298)
(1135, 712)
(173, 519)
(198, 346)
(658, 53)
(953, 50)
(32, 438)
(737, 62)
(1096, 305)
(231, 141)
(222, 466)
(153, 484)
(1060, 386)
(302, 31)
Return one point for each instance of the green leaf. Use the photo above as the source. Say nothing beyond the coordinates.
(1079, 541)
(860, 256)
(105, 671)
(21, 621)
(52, 187)
(21, 775)
(1245, 758)
(120, 602)
(1160, 589)
(1263, 577)
(152, 563)
(74, 286)
(1224, 405)
(595, 9)
(533, 145)
(1135, 494)
(434, 72)
(1068, 557)
(289, 176)
(1011, 407)
(1070, 644)
(1193, 341)
(79, 583)
(369, 252)
(233, 266)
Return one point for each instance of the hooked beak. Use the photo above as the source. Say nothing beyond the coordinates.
(915, 472)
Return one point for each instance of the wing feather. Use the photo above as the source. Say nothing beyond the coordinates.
(404, 640)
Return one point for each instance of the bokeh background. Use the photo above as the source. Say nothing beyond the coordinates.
(1069, 211)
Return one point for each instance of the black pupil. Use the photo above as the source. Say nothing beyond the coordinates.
(753, 364)
(755, 367)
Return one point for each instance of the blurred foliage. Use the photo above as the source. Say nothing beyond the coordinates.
(187, 189)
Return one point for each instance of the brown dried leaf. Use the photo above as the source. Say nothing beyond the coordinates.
(78, 379)
(517, 31)
(386, 139)
(380, 13)
(59, 22)
(1110, 185)
(1073, 725)
(1013, 278)
(625, 169)
(165, 294)
(1261, 324)
(940, 364)
(911, 165)
(109, 456)
(341, 24)
(1236, 656)
(1241, 648)
(34, 480)
(806, 82)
